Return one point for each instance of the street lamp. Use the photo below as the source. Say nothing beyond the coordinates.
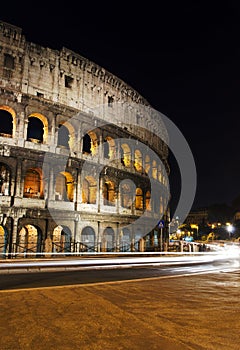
(230, 229)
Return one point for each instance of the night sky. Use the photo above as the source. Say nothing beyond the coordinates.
(184, 59)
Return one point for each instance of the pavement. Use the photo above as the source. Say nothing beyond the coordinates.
(198, 312)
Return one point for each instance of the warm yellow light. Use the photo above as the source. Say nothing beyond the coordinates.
(194, 226)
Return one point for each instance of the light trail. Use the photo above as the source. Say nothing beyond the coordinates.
(179, 258)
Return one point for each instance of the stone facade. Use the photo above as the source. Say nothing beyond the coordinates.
(81, 154)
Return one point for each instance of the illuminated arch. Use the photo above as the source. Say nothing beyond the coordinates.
(109, 148)
(154, 169)
(139, 199)
(109, 192)
(3, 239)
(64, 187)
(127, 192)
(13, 114)
(125, 155)
(61, 240)
(138, 160)
(161, 206)
(94, 142)
(33, 184)
(30, 239)
(147, 164)
(148, 201)
(160, 177)
(89, 190)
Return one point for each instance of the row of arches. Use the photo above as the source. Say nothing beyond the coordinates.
(37, 132)
(30, 240)
(64, 188)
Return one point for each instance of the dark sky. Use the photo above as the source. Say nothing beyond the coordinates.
(183, 57)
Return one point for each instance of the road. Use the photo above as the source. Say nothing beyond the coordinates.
(94, 272)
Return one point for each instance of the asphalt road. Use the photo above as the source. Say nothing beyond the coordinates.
(89, 274)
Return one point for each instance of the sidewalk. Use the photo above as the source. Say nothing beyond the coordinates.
(188, 313)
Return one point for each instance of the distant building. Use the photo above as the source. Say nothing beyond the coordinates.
(197, 217)
(236, 216)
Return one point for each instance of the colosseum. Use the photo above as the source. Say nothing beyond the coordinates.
(83, 156)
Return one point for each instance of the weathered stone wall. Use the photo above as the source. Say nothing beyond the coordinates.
(67, 78)
(64, 88)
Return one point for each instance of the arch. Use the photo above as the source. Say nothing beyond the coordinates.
(7, 121)
(42, 134)
(64, 186)
(161, 209)
(3, 239)
(109, 148)
(127, 192)
(160, 175)
(154, 169)
(106, 150)
(139, 199)
(138, 160)
(87, 144)
(88, 238)
(109, 193)
(61, 240)
(125, 155)
(89, 190)
(148, 201)
(125, 240)
(5, 180)
(147, 164)
(108, 239)
(33, 184)
(94, 142)
(66, 135)
(29, 239)
(63, 136)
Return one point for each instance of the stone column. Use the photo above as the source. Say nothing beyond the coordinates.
(18, 183)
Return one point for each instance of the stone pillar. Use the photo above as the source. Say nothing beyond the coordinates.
(98, 238)
(19, 178)
(48, 246)
(20, 129)
(14, 234)
(181, 246)
(51, 185)
(100, 148)
(117, 235)
(75, 189)
(141, 245)
(78, 190)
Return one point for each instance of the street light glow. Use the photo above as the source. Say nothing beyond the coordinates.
(229, 228)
